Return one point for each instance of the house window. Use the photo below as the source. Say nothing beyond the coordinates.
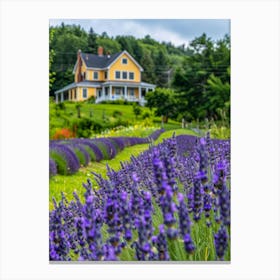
(95, 75)
(131, 76)
(117, 74)
(84, 92)
(106, 75)
(124, 61)
(117, 91)
(131, 92)
(99, 93)
(75, 94)
(124, 75)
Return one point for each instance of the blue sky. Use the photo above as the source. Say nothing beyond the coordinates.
(178, 31)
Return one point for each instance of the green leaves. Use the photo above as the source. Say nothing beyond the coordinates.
(204, 78)
(164, 101)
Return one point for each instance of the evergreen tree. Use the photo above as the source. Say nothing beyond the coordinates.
(92, 42)
(148, 64)
(161, 69)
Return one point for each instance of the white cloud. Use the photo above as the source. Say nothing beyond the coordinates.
(128, 27)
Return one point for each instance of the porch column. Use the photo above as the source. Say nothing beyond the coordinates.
(62, 97)
(125, 92)
(103, 93)
(139, 93)
(56, 98)
(146, 89)
(110, 92)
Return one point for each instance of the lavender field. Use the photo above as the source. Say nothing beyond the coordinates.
(171, 203)
(67, 156)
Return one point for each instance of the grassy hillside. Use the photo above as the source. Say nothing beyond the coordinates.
(95, 118)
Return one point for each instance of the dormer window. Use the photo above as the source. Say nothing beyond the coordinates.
(124, 61)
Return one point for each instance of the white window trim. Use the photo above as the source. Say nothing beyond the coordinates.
(116, 75)
(133, 76)
(118, 90)
(126, 75)
(97, 75)
(86, 93)
(126, 60)
(131, 90)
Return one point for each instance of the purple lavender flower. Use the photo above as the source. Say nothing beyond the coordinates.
(207, 206)
(80, 152)
(143, 246)
(224, 203)
(126, 216)
(184, 220)
(110, 253)
(70, 158)
(221, 242)
(161, 244)
(52, 167)
(189, 246)
(198, 192)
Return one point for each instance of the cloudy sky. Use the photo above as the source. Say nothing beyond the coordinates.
(178, 31)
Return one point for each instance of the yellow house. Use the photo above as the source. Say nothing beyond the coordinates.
(106, 77)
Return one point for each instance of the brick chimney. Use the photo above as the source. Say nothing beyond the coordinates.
(100, 51)
(79, 66)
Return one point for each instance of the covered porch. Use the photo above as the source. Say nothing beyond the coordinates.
(134, 92)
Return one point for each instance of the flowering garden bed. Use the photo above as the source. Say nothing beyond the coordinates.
(67, 156)
(172, 202)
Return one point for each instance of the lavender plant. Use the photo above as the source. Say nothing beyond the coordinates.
(172, 202)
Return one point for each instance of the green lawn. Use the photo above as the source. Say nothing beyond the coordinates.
(68, 184)
(96, 111)
(107, 115)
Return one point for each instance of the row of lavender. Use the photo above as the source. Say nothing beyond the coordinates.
(67, 156)
(170, 203)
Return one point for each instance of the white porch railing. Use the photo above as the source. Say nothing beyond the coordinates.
(129, 98)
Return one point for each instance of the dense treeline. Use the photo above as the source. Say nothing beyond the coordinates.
(198, 75)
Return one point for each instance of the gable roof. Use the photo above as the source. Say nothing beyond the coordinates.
(103, 62)
(97, 61)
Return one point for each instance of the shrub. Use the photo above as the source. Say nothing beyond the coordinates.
(85, 127)
(92, 146)
(117, 114)
(60, 162)
(61, 106)
(63, 133)
(52, 167)
(137, 110)
(66, 160)
(90, 152)
(81, 153)
(90, 100)
(146, 115)
(102, 147)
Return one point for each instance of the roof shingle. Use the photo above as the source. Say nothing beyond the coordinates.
(96, 61)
